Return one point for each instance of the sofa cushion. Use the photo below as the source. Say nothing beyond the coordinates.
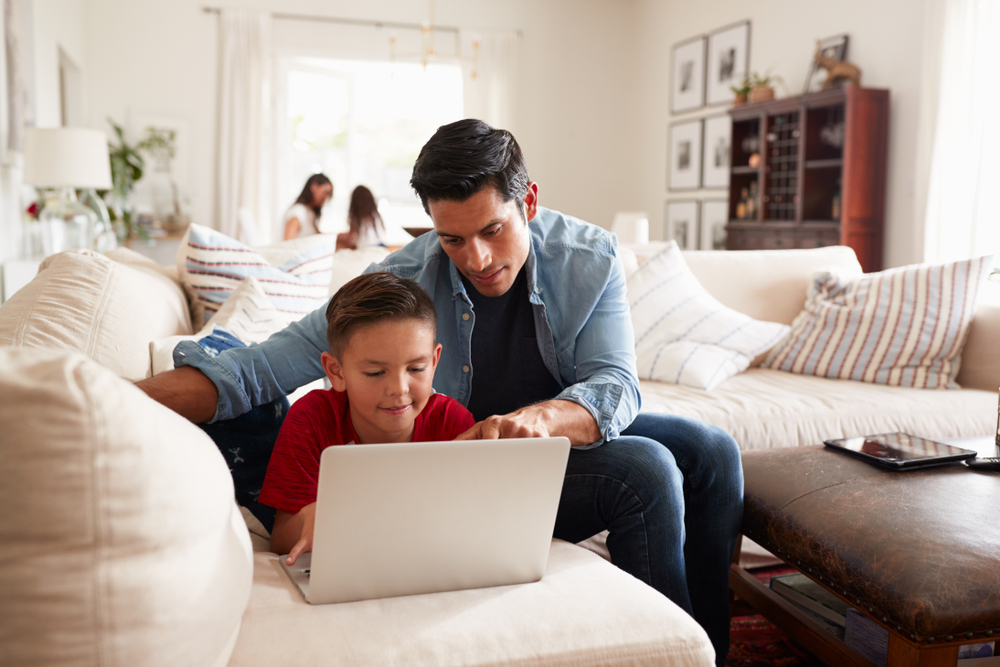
(294, 274)
(108, 310)
(683, 334)
(121, 543)
(764, 408)
(902, 327)
(583, 612)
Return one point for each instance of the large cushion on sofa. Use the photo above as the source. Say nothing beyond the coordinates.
(121, 543)
(764, 408)
(769, 285)
(583, 612)
(108, 310)
(981, 355)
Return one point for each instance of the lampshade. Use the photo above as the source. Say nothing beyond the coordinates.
(73, 157)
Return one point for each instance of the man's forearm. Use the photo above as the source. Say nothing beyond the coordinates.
(570, 420)
(186, 391)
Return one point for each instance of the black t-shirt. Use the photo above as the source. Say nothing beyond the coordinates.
(507, 368)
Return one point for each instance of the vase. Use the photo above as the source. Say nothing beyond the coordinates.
(761, 94)
(741, 98)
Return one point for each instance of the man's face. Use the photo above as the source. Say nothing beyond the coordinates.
(485, 237)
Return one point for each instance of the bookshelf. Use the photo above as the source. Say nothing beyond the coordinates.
(810, 171)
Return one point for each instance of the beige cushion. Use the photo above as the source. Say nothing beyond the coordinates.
(583, 612)
(764, 408)
(121, 543)
(106, 309)
(980, 367)
(769, 285)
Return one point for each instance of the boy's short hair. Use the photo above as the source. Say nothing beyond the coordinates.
(371, 298)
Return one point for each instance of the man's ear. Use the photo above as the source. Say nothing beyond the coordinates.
(334, 371)
(531, 201)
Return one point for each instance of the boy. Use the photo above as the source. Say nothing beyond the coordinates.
(381, 330)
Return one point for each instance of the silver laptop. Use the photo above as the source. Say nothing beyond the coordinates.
(410, 518)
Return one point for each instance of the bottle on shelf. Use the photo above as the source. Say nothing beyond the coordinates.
(741, 205)
(752, 201)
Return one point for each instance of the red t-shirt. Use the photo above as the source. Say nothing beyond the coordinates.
(321, 419)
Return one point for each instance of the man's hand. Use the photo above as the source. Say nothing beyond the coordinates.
(542, 420)
(307, 519)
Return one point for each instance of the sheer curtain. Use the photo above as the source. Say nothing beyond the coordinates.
(489, 65)
(963, 206)
(243, 200)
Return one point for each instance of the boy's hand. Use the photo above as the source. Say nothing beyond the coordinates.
(307, 518)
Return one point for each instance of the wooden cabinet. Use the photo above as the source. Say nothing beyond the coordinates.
(809, 171)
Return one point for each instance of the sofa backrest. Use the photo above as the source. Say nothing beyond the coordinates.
(769, 285)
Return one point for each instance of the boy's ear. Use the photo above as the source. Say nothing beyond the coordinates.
(435, 357)
(334, 371)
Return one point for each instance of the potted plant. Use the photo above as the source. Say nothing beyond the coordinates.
(126, 169)
(761, 89)
(160, 144)
(741, 91)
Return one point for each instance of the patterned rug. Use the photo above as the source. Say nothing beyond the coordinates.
(756, 642)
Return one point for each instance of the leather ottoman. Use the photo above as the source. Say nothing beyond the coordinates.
(917, 551)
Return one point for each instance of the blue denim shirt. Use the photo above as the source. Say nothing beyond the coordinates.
(576, 286)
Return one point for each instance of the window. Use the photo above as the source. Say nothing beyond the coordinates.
(360, 123)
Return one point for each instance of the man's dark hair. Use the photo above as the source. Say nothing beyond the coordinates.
(374, 297)
(464, 157)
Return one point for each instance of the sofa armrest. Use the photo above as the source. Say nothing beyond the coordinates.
(981, 354)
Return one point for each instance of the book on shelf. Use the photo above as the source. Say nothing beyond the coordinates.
(866, 637)
(806, 593)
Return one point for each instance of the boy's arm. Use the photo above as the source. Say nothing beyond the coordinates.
(293, 533)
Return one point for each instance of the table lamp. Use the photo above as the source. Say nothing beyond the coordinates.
(67, 158)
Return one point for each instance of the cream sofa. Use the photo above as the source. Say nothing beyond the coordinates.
(139, 555)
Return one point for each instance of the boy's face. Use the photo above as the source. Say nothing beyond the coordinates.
(386, 369)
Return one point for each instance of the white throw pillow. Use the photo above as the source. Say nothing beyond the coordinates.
(294, 274)
(247, 314)
(683, 335)
(108, 310)
(348, 264)
(121, 543)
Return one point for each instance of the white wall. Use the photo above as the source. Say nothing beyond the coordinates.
(886, 41)
(576, 81)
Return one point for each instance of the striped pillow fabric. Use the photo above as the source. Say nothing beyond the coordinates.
(683, 335)
(295, 275)
(901, 327)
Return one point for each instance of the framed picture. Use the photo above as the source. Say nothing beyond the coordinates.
(728, 61)
(16, 85)
(687, 88)
(715, 160)
(682, 223)
(832, 47)
(684, 156)
(714, 216)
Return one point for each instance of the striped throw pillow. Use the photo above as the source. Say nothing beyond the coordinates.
(683, 335)
(295, 275)
(901, 327)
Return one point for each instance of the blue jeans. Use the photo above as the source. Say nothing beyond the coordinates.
(670, 493)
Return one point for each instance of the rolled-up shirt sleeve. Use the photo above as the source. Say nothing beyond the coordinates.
(250, 376)
(607, 381)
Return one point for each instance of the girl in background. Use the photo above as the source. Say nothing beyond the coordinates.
(366, 227)
(302, 219)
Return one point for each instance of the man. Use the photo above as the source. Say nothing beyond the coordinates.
(537, 341)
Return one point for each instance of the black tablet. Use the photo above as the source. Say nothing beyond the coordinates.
(900, 451)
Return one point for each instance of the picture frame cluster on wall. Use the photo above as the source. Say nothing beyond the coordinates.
(703, 68)
(697, 225)
(698, 153)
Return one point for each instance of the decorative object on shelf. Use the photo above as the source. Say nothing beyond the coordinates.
(160, 144)
(837, 72)
(728, 61)
(126, 168)
(754, 160)
(714, 216)
(687, 90)
(682, 223)
(715, 161)
(832, 50)
(684, 156)
(761, 89)
(741, 91)
(67, 158)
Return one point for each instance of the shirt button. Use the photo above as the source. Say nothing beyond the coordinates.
(465, 369)
(465, 316)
